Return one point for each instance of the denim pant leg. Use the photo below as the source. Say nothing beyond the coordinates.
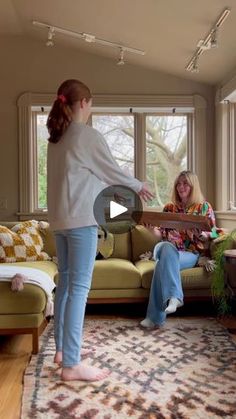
(62, 288)
(82, 246)
(187, 260)
(166, 281)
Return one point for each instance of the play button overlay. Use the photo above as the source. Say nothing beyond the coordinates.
(116, 208)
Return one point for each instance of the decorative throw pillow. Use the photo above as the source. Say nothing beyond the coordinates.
(23, 242)
(105, 245)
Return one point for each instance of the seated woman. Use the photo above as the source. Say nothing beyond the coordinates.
(178, 250)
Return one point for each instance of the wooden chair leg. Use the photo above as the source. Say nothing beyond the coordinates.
(35, 341)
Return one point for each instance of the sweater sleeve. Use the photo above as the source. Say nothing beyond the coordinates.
(103, 165)
(207, 210)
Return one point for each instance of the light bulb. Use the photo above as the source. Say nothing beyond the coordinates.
(214, 41)
(121, 60)
(195, 67)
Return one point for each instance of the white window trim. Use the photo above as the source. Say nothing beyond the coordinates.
(225, 101)
(225, 158)
(197, 151)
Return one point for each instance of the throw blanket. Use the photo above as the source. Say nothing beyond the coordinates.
(35, 277)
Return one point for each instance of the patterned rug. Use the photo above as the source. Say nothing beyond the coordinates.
(186, 370)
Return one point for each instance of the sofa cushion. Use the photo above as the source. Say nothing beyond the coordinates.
(32, 299)
(122, 239)
(145, 268)
(49, 244)
(142, 241)
(122, 246)
(115, 273)
(22, 243)
(194, 278)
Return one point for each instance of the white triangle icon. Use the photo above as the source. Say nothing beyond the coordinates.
(116, 209)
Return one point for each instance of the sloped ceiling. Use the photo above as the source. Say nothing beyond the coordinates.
(168, 30)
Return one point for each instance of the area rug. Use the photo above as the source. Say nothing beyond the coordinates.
(186, 370)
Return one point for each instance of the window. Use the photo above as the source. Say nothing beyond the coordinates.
(42, 135)
(152, 142)
(118, 131)
(166, 150)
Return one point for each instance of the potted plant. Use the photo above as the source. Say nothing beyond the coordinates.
(220, 290)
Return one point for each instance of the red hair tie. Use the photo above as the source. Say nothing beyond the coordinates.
(62, 98)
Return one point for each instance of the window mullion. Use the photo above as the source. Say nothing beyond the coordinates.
(140, 145)
(191, 156)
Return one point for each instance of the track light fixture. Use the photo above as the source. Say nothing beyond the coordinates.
(87, 37)
(121, 60)
(210, 41)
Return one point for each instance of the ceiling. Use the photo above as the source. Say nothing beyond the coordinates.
(168, 30)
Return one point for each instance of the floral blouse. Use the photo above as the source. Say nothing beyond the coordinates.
(188, 239)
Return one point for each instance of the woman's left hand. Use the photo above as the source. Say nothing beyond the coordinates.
(200, 235)
(203, 236)
(194, 232)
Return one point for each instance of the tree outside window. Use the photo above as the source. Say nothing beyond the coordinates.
(166, 154)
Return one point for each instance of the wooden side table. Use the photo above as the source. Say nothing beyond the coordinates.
(230, 279)
(230, 269)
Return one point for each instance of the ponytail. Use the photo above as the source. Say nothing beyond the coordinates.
(61, 114)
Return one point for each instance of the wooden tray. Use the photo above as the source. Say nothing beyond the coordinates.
(176, 221)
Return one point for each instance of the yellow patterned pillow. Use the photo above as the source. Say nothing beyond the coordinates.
(23, 242)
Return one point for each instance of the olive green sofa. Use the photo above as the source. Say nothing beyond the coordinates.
(121, 278)
(124, 277)
(23, 312)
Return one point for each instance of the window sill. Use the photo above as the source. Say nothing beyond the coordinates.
(226, 215)
(37, 215)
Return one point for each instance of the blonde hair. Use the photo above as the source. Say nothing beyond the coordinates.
(196, 196)
(60, 116)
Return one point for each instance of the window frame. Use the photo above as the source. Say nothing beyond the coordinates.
(225, 157)
(27, 164)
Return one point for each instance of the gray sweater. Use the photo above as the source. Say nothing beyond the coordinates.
(79, 166)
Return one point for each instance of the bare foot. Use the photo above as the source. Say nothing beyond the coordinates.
(84, 373)
(58, 355)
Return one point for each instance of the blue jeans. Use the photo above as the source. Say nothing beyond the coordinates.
(166, 280)
(76, 252)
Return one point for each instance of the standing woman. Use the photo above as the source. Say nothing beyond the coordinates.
(79, 162)
(177, 250)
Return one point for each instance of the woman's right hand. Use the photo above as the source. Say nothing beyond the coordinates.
(145, 193)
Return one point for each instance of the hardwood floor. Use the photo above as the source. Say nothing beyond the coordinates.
(15, 353)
